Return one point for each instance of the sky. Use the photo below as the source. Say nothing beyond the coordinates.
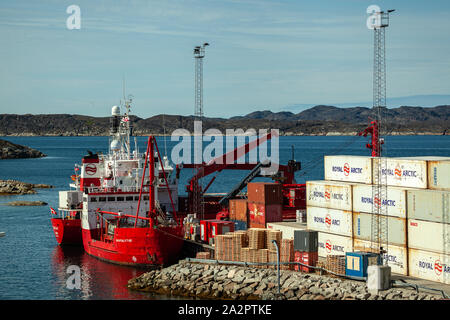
(263, 55)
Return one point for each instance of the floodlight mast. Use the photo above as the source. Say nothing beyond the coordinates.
(379, 219)
(199, 54)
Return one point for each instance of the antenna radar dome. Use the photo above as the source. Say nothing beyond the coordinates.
(115, 111)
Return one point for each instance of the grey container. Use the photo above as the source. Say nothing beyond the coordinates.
(306, 240)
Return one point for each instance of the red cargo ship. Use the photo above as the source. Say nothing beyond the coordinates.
(126, 216)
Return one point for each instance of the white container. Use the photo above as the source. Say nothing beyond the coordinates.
(362, 228)
(287, 228)
(397, 256)
(402, 172)
(329, 194)
(329, 220)
(429, 236)
(438, 174)
(395, 202)
(332, 244)
(348, 168)
(429, 265)
(429, 205)
(69, 199)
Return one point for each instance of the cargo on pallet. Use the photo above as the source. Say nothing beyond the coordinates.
(260, 214)
(265, 193)
(308, 258)
(329, 220)
(306, 240)
(429, 205)
(362, 227)
(356, 263)
(287, 228)
(396, 256)
(395, 203)
(429, 236)
(333, 244)
(348, 168)
(238, 209)
(329, 194)
(429, 265)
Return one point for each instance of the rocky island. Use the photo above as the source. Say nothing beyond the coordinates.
(14, 187)
(9, 150)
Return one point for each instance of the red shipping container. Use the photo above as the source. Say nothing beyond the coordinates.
(308, 258)
(265, 192)
(220, 227)
(238, 209)
(260, 214)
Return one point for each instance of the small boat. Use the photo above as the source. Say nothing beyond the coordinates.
(2, 234)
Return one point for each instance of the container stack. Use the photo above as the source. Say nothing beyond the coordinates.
(341, 208)
(306, 249)
(265, 203)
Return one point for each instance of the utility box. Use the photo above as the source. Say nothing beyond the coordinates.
(356, 263)
(378, 278)
(70, 199)
(306, 240)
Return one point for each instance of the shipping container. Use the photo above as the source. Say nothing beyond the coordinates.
(232, 209)
(306, 240)
(239, 225)
(260, 214)
(210, 228)
(429, 205)
(241, 210)
(362, 227)
(308, 258)
(348, 168)
(287, 228)
(396, 256)
(402, 172)
(329, 220)
(429, 265)
(429, 236)
(265, 193)
(333, 244)
(438, 174)
(395, 202)
(329, 194)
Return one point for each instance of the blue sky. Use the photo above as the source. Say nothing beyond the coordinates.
(263, 55)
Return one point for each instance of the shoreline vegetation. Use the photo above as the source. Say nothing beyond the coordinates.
(320, 120)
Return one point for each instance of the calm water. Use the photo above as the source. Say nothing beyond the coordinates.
(33, 266)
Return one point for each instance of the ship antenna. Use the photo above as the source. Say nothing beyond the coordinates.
(164, 132)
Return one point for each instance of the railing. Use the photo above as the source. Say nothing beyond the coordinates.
(66, 213)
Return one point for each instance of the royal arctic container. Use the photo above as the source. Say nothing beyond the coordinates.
(329, 194)
(265, 193)
(348, 168)
(329, 220)
(402, 172)
(429, 265)
(287, 228)
(438, 174)
(362, 227)
(395, 202)
(333, 244)
(429, 205)
(260, 214)
(429, 236)
(396, 256)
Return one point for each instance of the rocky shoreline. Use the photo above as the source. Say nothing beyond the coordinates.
(14, 187)
(214, 281)
(9, 150)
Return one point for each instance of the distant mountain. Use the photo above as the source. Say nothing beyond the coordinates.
(318, 120)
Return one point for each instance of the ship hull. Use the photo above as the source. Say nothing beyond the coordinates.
(136, 246)
(67, 231)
